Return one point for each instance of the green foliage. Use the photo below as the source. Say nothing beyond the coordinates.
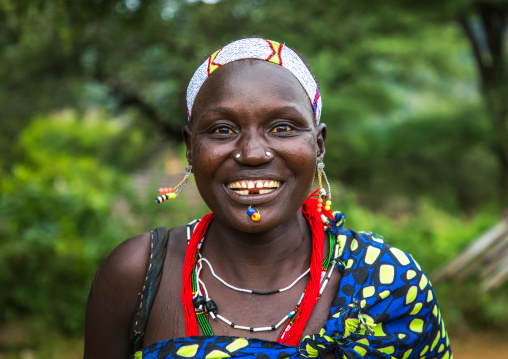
(57, 217)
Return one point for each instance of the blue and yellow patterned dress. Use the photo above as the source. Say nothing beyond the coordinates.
(385, 307)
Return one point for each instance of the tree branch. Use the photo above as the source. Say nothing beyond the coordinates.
(463, 21)
(129, 99)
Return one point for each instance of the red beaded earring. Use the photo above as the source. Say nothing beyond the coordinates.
(323, 196)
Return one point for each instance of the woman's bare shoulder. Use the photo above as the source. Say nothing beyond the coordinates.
(129, 259)
(113, 299)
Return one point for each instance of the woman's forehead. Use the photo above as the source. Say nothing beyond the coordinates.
(249, 81)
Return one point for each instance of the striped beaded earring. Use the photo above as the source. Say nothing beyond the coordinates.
(168, 192)
(323, 196)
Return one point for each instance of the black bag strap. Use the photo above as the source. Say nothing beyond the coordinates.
(158, 244)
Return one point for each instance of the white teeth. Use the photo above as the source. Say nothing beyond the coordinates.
(234, 185)
(263, 191)
(263, 186)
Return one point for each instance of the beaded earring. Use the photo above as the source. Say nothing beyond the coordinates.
(323, 196)
(254, 214)
(169, 193)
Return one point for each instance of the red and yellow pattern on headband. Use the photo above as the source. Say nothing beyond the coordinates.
(262, 49)
(276, 50)
(212, 66)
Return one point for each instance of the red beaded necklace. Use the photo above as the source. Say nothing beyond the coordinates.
(289, 335)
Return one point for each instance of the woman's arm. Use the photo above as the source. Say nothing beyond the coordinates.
(113, 300)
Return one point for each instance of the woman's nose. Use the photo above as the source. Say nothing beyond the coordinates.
(253, 150)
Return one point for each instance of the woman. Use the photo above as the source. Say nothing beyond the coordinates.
(269, 264)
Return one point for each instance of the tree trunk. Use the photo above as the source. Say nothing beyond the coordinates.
(487, 34)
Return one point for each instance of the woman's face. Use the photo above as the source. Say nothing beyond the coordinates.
(244, 110)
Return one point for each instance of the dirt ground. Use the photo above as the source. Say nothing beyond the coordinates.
(479, 346)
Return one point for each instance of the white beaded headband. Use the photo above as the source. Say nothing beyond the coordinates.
(262, 49)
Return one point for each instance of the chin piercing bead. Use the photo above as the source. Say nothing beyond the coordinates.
(253, 213)
(268, 153)
(237, 155)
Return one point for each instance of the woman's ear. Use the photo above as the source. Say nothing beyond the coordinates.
(187, 136)
(320, 141)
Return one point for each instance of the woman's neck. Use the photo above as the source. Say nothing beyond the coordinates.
(269, 258)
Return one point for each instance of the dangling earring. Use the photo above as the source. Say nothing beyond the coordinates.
(323, 196)
(168, 192)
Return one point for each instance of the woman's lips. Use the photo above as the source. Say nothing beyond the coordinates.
(250, 187)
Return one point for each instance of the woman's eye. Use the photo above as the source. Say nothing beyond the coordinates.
(224, 130)
(281, 128)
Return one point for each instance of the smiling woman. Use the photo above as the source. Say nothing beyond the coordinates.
(272, 287)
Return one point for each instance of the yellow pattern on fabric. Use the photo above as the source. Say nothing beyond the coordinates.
(401, 256)
(371, 255)
(430, 296)
(387, 350)
(384, 294)
(369, 291)
(416, 325)
(237, 344)
(360, 350)
(217, 354)
(378, 330)
(423, 282)
(386, 274)
(411, 294)
(416, 308)
(354, 245)
(364, 341)
(407, 354)
(188, 351)
(138, 355)
(436, 340)
(313, 353)
(410, 274)
(424, 350)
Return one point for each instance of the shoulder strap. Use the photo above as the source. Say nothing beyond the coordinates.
(158, 244)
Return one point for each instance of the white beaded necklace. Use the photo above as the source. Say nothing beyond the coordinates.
(203, 259)
(207, 303)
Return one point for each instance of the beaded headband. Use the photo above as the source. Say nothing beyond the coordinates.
(262, 49)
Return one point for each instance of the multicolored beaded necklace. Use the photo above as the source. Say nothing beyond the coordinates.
(198, 307)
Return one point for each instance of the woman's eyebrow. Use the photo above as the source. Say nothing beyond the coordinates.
(221, 110)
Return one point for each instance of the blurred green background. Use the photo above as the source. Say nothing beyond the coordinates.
(92, 101)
